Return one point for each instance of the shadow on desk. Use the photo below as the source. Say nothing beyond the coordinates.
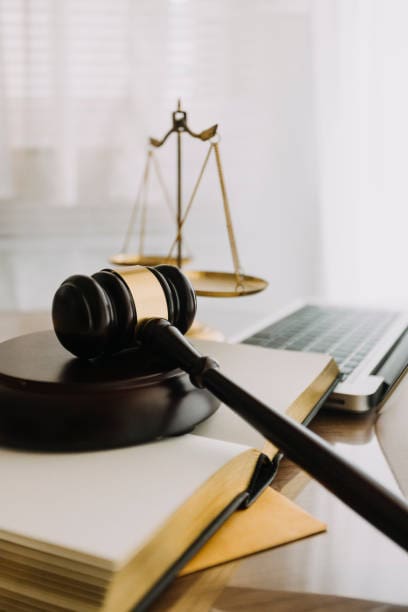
(392, 430)
(235, 599)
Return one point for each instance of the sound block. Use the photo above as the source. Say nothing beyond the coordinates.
(52, 401)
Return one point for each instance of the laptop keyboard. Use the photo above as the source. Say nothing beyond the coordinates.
(346, 334)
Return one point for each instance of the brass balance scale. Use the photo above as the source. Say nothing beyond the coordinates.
(206, 283)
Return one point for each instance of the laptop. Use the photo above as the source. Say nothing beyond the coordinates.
(370, 346)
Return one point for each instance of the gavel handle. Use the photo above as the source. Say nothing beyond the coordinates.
(358, 490)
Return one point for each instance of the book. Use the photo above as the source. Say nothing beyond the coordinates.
(108, 530)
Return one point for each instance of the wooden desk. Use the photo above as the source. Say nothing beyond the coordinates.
(351, 567)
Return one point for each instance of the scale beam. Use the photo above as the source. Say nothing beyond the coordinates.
(180, 125)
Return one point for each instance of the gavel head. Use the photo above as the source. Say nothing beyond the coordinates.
(103, 313)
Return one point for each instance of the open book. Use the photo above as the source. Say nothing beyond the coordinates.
(107, 530)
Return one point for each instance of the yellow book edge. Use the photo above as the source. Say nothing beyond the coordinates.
(271, 521)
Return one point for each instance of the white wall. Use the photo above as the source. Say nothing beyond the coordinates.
(361, 59)
(260, 90)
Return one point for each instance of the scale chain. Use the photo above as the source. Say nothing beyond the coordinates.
(162, 184)
(194, 192)
(167, 199)
(234, 250)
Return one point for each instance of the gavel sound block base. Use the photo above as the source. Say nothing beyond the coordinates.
(50, 400)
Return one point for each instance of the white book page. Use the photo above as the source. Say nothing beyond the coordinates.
(102, 505)
(275, 377)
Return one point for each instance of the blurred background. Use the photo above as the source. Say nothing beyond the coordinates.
(311, 98)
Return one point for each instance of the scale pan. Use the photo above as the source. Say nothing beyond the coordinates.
(133, 259)
(223, 284)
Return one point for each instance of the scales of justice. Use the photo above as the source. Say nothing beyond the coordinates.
(206, 283)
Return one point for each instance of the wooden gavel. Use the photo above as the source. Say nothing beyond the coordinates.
(115, 310)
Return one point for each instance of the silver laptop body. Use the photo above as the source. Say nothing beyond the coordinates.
(377, 343)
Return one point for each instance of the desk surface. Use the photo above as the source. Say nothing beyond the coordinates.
(351, 567)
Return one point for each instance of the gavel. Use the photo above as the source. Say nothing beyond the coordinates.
(114, 310)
